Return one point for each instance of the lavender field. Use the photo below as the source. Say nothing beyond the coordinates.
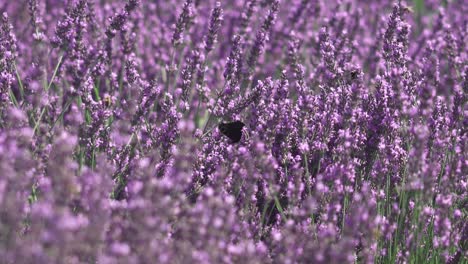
(115, 142)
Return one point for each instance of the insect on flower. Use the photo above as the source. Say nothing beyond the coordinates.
(233, 130)
(107, 101)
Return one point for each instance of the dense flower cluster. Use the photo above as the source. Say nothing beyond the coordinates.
(353, 151)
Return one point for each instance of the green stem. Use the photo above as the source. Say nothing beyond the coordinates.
(61, 114)
(55, 72)
(12, 97)
(20, 83)
(38, 122)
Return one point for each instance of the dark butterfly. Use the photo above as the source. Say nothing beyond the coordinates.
(232, 130)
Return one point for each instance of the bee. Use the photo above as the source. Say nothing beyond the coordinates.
(107, 101)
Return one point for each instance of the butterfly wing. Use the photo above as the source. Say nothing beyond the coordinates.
(232, 130)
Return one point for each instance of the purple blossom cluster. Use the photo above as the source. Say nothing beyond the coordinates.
(353, 151)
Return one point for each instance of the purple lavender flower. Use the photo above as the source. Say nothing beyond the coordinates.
(182, 21)
(7, 60)
(353, 149)
(215, 23)
(262, 36)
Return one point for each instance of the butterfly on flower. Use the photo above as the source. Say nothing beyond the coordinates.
(232, 130)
